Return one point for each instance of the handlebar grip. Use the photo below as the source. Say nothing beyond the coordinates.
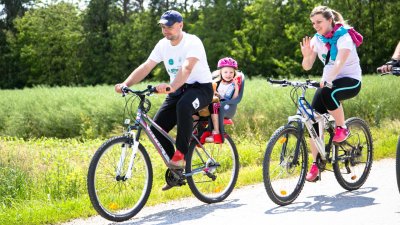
(276, 81)
(315, 84)
(154, 90)
(124, 89)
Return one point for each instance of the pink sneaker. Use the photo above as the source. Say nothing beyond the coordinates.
(341, 134)
(313, 174)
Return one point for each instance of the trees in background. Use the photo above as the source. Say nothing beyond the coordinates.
(61, 44)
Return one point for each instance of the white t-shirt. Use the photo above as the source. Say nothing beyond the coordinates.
(351, 68)
(223, 88)
(174, 56)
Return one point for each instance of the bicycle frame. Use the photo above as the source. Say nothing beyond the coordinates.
(144, 122)
(307, 116)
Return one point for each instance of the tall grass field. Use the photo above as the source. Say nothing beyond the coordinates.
(48, 136)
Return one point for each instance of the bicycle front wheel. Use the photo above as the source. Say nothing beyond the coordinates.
(214, 175)
(354, 156)
(116, 195)
(283, 174)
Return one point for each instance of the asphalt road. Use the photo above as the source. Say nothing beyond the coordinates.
(324, 202)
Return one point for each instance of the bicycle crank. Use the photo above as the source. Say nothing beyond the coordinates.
(175, 177)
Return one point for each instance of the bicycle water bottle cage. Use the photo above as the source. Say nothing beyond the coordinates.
(306, 107)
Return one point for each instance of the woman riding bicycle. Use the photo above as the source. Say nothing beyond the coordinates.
(335, 45)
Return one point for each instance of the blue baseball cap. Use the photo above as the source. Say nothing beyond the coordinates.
(170, 17)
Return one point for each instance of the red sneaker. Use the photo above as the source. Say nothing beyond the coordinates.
(177, 161)
(313, 174)
(341, 134)
(204, 136)
(217, 138)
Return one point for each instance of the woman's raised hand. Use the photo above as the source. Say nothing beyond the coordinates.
(306, 48)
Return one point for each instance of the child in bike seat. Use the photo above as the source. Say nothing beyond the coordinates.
(226, 87)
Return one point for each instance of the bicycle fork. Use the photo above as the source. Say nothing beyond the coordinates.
(134, 146)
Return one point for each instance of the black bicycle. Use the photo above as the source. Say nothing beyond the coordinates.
(395, 71)
(120, 175)
(286, 157)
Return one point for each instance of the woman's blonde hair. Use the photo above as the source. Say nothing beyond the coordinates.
(329, 13)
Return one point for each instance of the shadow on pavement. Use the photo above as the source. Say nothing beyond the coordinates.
(337, 203)
(182, 214)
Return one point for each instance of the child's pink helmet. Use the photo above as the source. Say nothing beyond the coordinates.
(227, 62)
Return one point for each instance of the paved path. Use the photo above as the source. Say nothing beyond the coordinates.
(324, 202)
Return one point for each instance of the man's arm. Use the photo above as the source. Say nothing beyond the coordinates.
(396, 54)
(184, 73)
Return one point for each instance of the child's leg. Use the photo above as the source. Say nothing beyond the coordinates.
(214, 118)
(216, 136)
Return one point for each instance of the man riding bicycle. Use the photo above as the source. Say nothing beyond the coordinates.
(190, 88)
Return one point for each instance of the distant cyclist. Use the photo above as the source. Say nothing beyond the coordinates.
(394, 61)
(335, 45)
(190, 88)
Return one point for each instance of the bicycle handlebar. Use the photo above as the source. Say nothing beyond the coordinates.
(149, 90)
(395, 71)
(284, 83)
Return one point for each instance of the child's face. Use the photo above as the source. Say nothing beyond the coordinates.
(228, 73)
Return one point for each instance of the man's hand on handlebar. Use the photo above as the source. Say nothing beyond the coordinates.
(387, 68)
(118, 87)
(164, 88)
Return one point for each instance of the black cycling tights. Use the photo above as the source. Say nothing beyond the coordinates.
(329, 98)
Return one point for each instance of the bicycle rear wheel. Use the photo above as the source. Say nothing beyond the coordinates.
(214, 178)
(354, 156)
(117, 197)
(283, 177)
(398, 164)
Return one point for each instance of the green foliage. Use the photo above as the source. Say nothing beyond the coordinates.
(59, 44)
(91, 112)
(60, 112)
(47, 43)
(215, 26)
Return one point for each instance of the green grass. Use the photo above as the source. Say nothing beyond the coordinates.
(43, 166)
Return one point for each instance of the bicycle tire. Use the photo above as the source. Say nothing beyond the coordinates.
(284, 180)
(202, 186)
(398, 164)
(119, 199)
(360, 138)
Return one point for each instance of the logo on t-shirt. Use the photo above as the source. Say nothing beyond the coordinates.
(171, 62)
